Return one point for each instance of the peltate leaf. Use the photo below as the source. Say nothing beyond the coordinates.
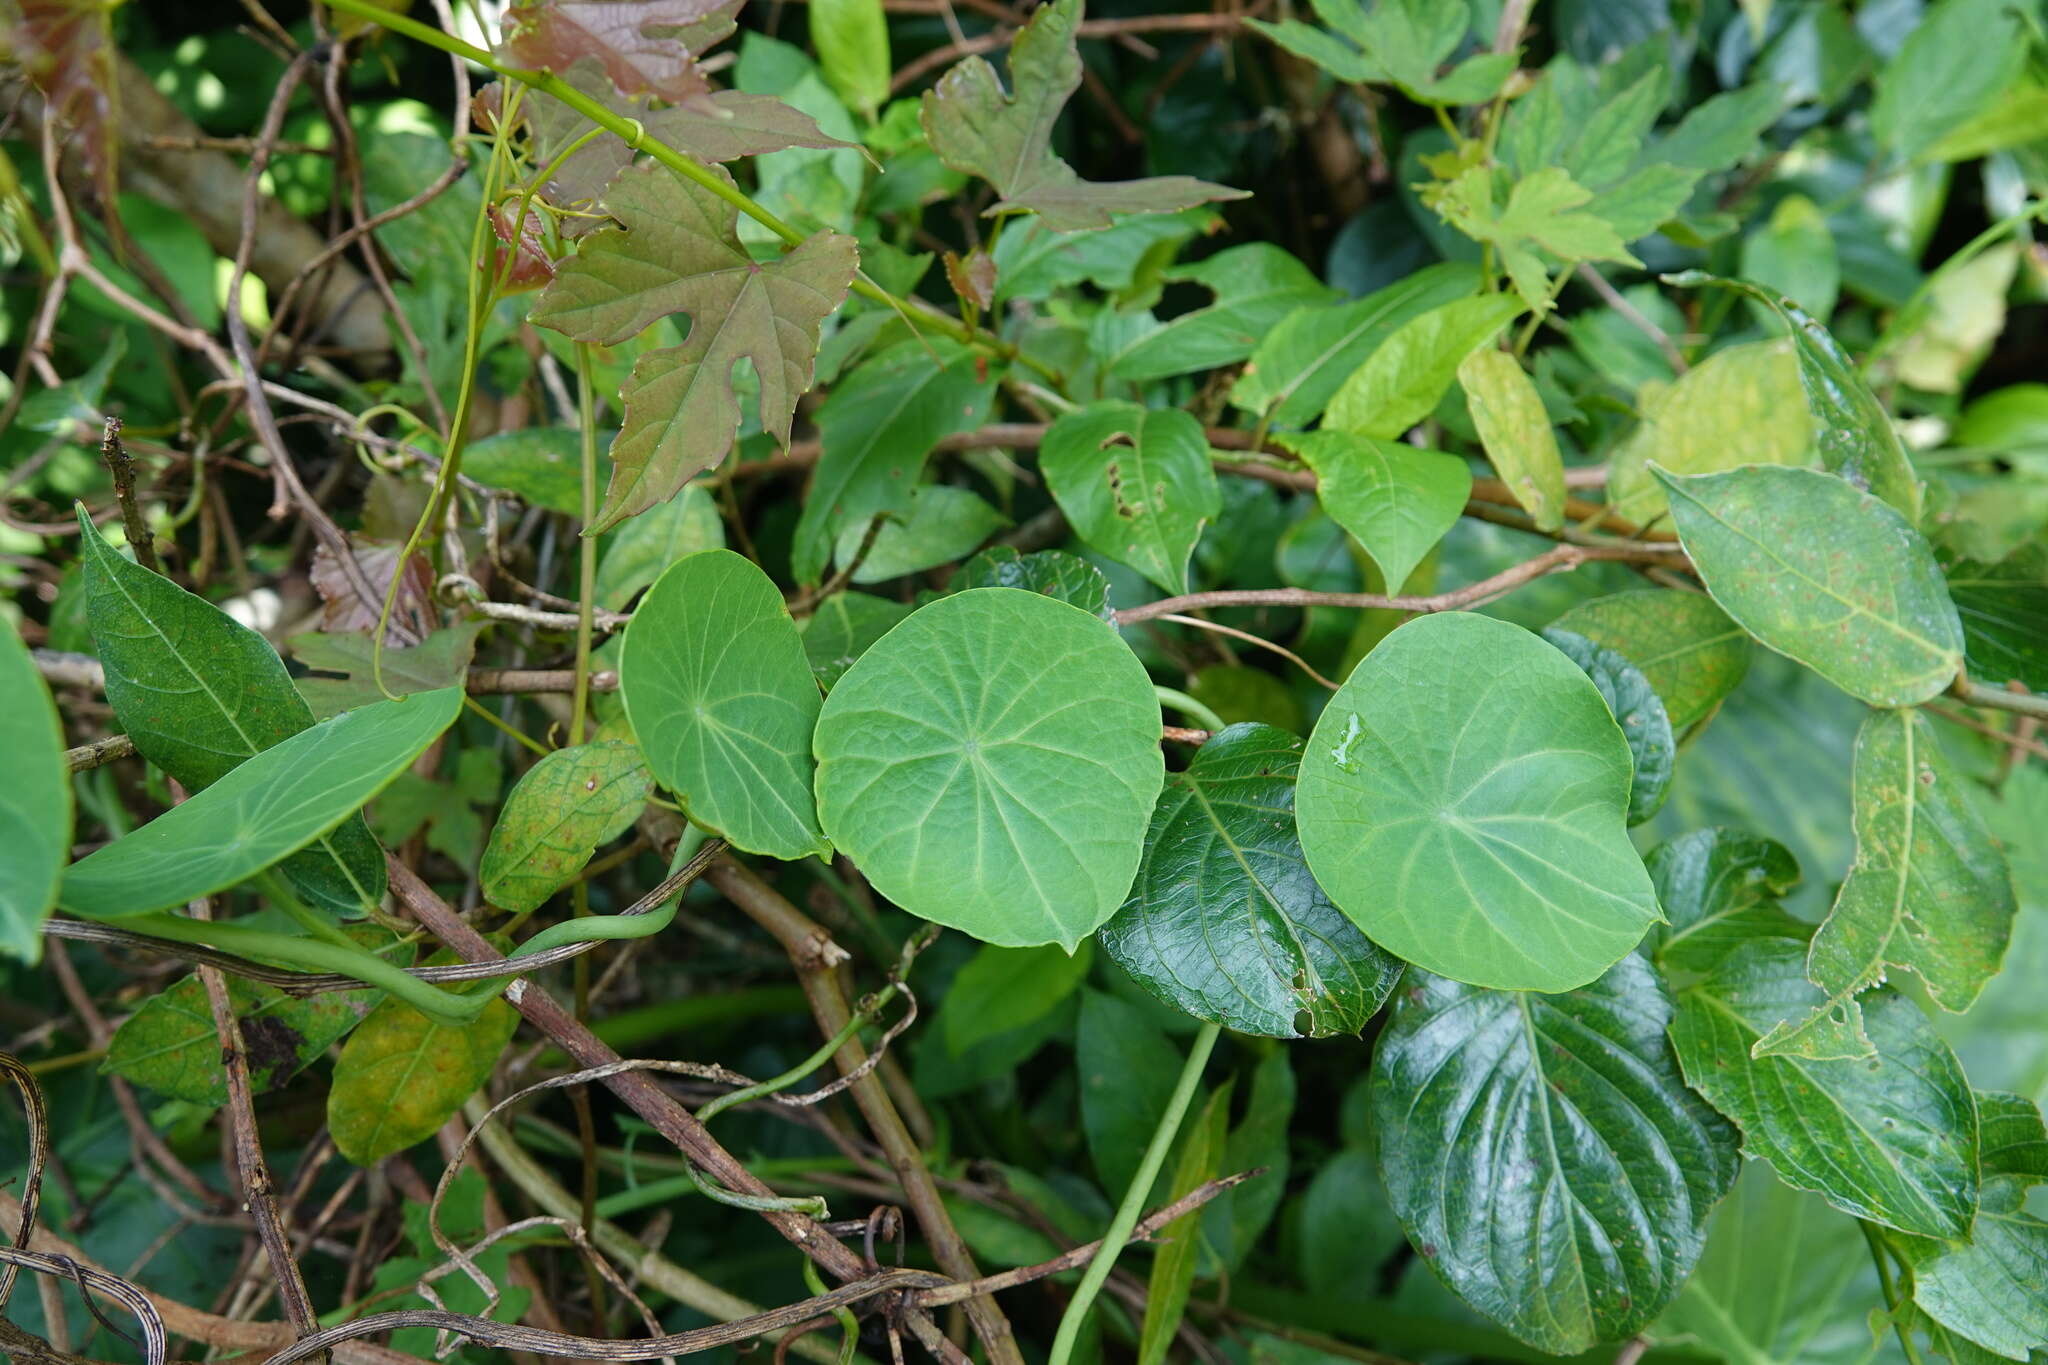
(1400, 382)
(991, 764)
(1823, 573)
(170, 1044)
(1136, 484)
(1636, 709)
(676, 250)
(1397, 499)
(1515, 430)
(1224, 921)
(721, 698)
(1686, 646)
(402, 1075)
(1891, 1138)
(35, 804)
(1476, 830)
(1006, 137)
(1544, 1154)
(271, 806)
(563, 809)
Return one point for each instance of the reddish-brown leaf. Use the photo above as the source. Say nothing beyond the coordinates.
(647, 47)
(67, 50)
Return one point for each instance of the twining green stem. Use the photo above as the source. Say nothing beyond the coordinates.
(1127, 1213)
(636, 137)
(1189, 707)
(1891, 1293)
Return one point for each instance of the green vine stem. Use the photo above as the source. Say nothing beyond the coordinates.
(1189, 707)
(1134, 1198)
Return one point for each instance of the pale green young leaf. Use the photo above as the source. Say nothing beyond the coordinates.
(852, 39)
(1401, 381)
(1544, 1152)
(676, 250)
(170, 1044)
(1719, 888)
(875, 430)
(1255, 285)
(1930, 891)
(562, 810)
(1953, 66)
(1299, 364)
(1824, 573)
(991, 764)
(1952, 328)
(1399, 42)
(1686, 646)
(271, 806)
(1224, 922)
(1637, 710)
(1136, 484)
(1476, 830)
(722, 701)
(401, 1075)
(942, 524)
(1005, 137)
(1891, 1138)
(35, 804)
(1741, 405)
(636, 553)
(1515, 431)
(1545, 211)
(1397, 499)
(199, 693)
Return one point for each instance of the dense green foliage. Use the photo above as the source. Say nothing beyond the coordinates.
(1415, 627)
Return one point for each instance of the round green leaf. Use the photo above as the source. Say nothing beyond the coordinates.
(1545, 1155)
(1225, 922)
(991, 765)
(272, 805)
(722, 700)
(1824, 573)
(1637, 710)
(1463, 801)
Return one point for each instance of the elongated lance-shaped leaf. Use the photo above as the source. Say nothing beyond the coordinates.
(723, 702)
(200, 693)
(1224, 920)
(1543, 1152)
(560, 812)
(1136, 483)
(35, 804)
(1515, 430)
(1824, 574)
(1006, 138)
(1930, 890)
(1854, 434)
(677, 250)
(271, 806)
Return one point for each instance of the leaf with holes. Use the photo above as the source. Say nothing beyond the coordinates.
(200, 693)
(991, 764)
(270, 807)
(1685, 645)
(1545, 1155)
(1825, 574)
(722, 701)
(1006, 137)
(1136, 483)
(1397, 499)
(1224, 920)
(1891, 1138)
(676, 250)
(1477, 830)
(562, 809)
(35, 805)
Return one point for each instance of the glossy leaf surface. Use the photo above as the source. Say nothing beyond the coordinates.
(1059, 575)
(1719, 889)
(1637, 710)
(402, 1075)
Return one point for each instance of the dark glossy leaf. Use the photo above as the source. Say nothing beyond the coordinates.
(1544, 1154)
(1136, 484)
(1685, 645)
(35, 805)
(199, 693)
(1987, 1288)
(990, 764)
(842, 628)
(1224, 920)
(1476, 830)
(271, 806)
(170, 1044)
(2014, 1141)
(1824, 574)
(2004, 610)
(1719, 889)
(721, 698)
(1639, 712)
(562, 809)
(1055, 573)
(1891, 1138)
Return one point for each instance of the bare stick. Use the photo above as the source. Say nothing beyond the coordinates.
(122, 467)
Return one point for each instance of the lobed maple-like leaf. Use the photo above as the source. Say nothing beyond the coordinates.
(676, 250)
(647, 47)
(1006, 138)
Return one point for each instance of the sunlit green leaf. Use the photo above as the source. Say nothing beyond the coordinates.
(1397, 499)
(1136, 484)
(1515, 431)
(35, 805)
(1400, 382)
(1742, 405)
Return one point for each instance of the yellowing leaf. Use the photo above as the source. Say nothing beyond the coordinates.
(402, 1075)
(1516, 432)
(1743, 405)
(677, 251)
(1005, 137)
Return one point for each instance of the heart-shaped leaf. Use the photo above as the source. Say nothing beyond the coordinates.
(1136, 484)
(35, 804)
(271, 806)
(722, 700)
(1463, 801)
(1544, 1154)
(1685, 645)
(1891, 1137)
(991, 765)
(1224, 920)
(1824, 574)
(1396, 499)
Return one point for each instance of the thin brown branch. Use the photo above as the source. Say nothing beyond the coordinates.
(97, 754)
(914, 71)
(122, 466)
